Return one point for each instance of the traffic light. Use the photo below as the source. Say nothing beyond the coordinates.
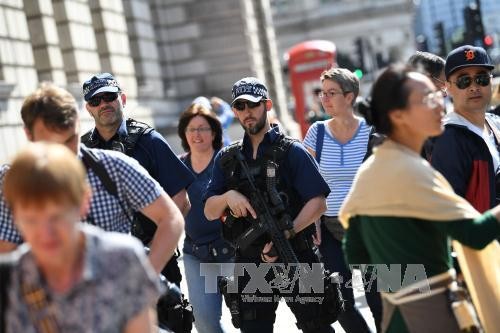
(440, 39)
(474, 29)
(488, 41)
(358, 43)
(359, 73)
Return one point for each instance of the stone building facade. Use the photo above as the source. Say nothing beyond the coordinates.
(163, 52)
(385, 28)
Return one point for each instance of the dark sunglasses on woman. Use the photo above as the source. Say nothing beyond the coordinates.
(107, 97)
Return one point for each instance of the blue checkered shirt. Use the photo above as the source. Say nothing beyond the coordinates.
(136, 190)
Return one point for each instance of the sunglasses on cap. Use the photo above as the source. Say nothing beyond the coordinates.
(107, 97)
(465, 81)
(240, 105)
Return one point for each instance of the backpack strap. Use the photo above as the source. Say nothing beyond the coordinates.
(320, 136)
(92, 162)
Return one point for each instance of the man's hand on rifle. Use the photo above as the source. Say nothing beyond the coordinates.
(238, 204)
(266, 253)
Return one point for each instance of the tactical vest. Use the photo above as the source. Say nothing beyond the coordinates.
(126, 144)
(237, 180)
(142, 227)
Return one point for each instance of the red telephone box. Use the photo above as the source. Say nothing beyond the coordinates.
(306, 62)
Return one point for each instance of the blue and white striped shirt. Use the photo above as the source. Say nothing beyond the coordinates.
(339, 162)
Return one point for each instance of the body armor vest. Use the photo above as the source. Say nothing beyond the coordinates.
(237, 180)
(126, 144)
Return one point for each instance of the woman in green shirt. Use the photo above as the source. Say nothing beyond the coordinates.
(402, 211)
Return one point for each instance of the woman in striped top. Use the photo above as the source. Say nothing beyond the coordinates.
(339, 145)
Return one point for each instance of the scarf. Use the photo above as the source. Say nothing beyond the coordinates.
(396, 181)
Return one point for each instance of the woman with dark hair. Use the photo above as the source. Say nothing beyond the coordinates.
(201, 135)
(400, 211)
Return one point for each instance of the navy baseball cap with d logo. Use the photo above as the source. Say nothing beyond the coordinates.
(466, 56)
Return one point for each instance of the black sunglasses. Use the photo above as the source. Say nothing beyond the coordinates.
(240, 105)
(464, 82)
(107, 97)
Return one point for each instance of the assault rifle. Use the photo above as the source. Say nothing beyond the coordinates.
(266, 222)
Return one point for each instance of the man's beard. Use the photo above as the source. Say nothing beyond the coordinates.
(259, 125)
(112, 120)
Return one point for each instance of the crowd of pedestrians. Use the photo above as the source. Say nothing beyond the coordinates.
(390, 185)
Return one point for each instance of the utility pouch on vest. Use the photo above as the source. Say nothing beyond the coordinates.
(218, 250)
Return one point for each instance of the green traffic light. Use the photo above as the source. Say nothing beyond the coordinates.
(359, 73)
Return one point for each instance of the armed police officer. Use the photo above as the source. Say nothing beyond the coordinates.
(251, 179)
(51, 114)
(105, 102)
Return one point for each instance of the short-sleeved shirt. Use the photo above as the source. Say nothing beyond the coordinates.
(153, 152)
(299, 170)
(199, 230)
(117, 284)
(339, 161)
(136, 190)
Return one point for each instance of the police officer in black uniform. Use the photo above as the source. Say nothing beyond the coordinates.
(105, 102)
(302, 190)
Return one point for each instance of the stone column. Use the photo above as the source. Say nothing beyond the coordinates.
(77, 40)
(45, 41)
(113, 44)
(143, 48)
(17, 74)
(144, 51)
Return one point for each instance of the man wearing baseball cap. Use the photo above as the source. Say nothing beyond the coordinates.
(467, 152)
(105, 102)
(266, 162)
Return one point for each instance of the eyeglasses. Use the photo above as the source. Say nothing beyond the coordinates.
(433, 99)
(240, 105)
(330, 94)
(107, 97)
(199, 130)
(438, 80)
(464, 82)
